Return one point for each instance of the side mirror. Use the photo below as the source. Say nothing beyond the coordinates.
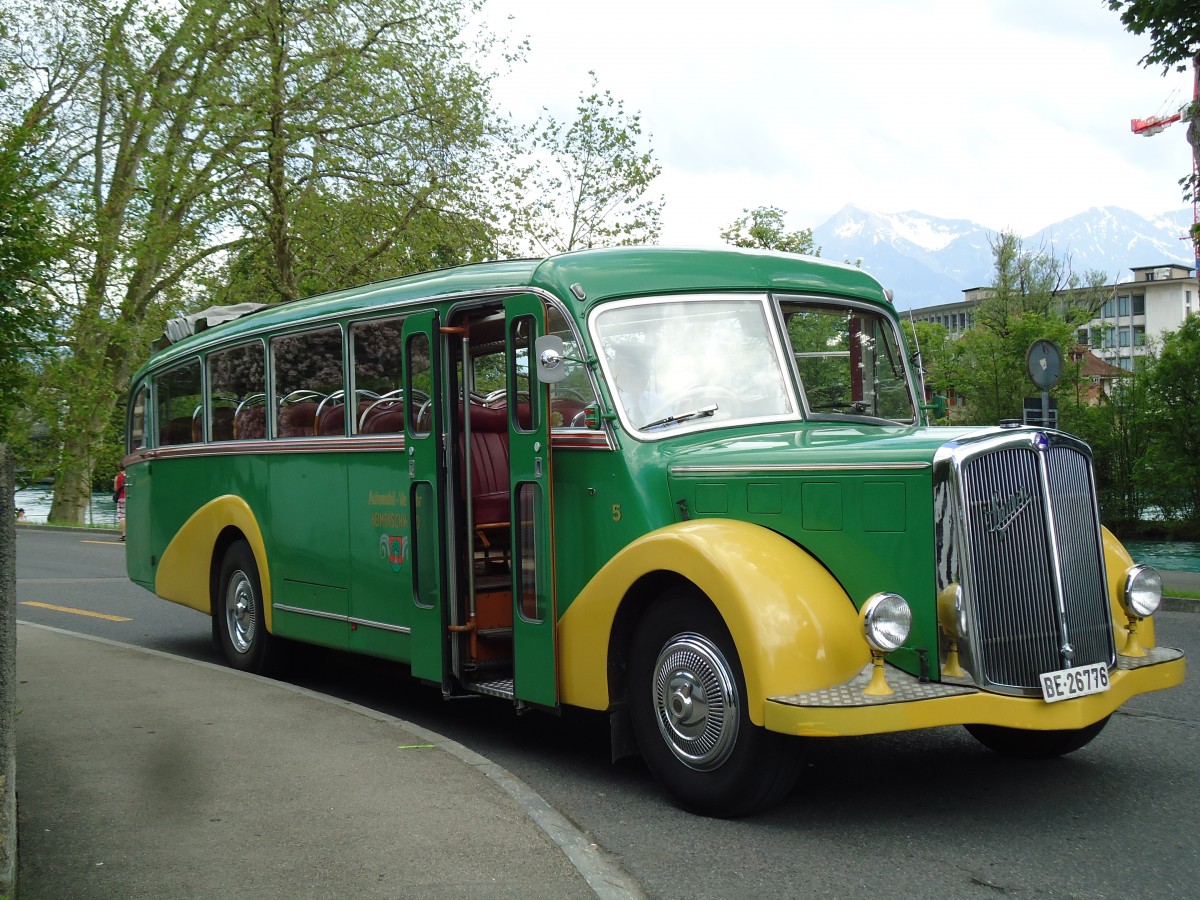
(551, 359)
(935, 410)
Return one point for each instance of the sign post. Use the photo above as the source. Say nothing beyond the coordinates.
(1043, 362)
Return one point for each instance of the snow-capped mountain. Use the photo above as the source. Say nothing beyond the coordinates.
(926, 260)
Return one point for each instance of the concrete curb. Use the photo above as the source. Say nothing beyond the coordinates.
(86, 529)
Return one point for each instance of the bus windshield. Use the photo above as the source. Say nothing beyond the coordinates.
(850, 362)
(691, 361)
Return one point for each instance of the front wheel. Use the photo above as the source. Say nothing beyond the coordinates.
(687, 701)
(238, 618)
(1028, 744)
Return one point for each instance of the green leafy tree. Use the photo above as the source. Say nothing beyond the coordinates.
(1034, 296)
(1172, 459)
(763, 228)
(374, 144)
(1120, 428)
(25, 252)
(585, 183)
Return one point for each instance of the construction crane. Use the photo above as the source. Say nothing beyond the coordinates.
(1189, 112)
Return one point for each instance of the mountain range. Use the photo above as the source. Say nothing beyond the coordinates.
(927, 261)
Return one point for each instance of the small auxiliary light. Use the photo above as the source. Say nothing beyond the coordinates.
(951, 616)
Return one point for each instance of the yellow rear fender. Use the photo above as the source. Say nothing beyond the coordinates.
(183, 572)
(794, 627)
(1117, 561)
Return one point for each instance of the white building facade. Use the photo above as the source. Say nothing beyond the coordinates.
(1132, 320)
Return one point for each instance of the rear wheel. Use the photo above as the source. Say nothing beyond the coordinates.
(1028, 744)
(687, 701)
(239, 619)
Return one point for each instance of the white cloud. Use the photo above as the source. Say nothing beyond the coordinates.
(1011, 113)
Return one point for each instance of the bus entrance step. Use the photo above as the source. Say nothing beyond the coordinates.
(499, 687)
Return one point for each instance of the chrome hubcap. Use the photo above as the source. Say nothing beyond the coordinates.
(695, 701)
(241, 616)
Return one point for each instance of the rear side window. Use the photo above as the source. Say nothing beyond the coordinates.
(179, 405)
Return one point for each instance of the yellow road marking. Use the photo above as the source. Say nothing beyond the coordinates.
(78, 612)
(109, 543)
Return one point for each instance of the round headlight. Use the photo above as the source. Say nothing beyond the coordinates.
(1143, 591)
(886, 620)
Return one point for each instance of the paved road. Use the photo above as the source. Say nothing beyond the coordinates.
(928, 814)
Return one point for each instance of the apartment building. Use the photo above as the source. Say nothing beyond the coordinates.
(1136, 315)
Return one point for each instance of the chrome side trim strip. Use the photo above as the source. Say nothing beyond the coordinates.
(319, 614)
(801, 467)
(382, 626)
(316, 613)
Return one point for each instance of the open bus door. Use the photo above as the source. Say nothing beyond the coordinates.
(424, 435)
(534, 614)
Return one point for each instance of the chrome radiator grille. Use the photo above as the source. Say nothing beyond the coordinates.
(1018, 530)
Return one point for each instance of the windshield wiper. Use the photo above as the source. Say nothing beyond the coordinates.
(702, 413)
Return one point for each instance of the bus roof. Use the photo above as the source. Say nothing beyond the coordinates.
(601, 275)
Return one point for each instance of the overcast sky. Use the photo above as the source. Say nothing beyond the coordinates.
(1010, 113)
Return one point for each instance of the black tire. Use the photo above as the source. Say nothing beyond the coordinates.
(1027, 744)
(238, 616)
(708, 754)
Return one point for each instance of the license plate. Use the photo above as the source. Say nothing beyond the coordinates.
(1080, 681)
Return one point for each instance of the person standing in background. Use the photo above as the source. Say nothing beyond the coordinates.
(119, 496)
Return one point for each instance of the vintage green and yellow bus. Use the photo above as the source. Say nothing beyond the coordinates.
(693, 489)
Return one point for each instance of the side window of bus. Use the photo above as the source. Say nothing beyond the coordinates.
(137, 421)
(180, 405)
(237, 399)
(308, 378)
(571, 396)
(521, 340)
(378, 406)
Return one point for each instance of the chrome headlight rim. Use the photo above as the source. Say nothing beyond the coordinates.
(886, 621)
(1142, 595)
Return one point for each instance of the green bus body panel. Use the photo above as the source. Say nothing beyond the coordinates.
(380, 570)
(534, 667)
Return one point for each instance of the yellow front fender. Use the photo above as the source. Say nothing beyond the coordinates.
(182, 574)
(794, 627)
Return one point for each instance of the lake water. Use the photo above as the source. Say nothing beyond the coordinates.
(36, 503)
(1172, 556)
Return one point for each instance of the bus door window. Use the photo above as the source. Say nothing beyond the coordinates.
(570, 397)
(237, 393)
(308, 371)
(180, 405)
